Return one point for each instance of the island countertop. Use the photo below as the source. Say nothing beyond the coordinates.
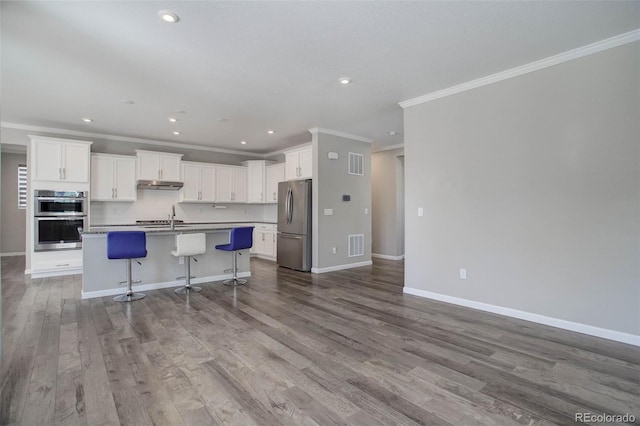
(178, 228)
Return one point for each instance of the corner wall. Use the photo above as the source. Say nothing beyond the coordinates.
(330, 182)
(533, 185)
(13, 225)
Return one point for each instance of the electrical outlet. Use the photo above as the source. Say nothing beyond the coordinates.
(463, 274)
(420, 211)
(181, 260)
(366, 210)
(334, 250)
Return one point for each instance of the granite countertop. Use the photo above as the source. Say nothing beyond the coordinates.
(179, 227)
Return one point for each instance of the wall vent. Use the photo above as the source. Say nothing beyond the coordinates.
(356, 164)
(356, 245)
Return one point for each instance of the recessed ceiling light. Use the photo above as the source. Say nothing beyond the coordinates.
(180, 111)
(168, 16)
(392, 133)
(344, 80)
(243, 142)
(127, 101)
(223, 119)
(87, 120)
(172, 119)
(176, 133)
(270, 132)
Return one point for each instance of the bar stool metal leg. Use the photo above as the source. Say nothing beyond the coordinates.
(235, 281)
(188, 288)
(129, 296)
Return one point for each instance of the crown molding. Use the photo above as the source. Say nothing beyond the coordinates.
(570, 55)
(285, 150)
(389, 148)
(104, 136)
(317, 130)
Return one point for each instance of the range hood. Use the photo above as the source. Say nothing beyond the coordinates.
(162, 185)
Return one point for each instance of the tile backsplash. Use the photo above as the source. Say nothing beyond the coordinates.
(153, 205)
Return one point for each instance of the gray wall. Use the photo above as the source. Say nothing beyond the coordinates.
(13, 225)
(533, 185)
(330, 182)
(387, 183)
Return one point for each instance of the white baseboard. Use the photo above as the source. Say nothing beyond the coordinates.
(14, 253)
(387, 256)
(55, 273)
(340, 267)
(158, 286)
(617, 336)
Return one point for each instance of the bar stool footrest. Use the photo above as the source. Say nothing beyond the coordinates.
(128, 297)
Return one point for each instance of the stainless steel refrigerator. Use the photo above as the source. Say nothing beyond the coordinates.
(294, 225)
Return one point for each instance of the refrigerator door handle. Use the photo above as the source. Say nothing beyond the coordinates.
(290, 236)
(290, 206)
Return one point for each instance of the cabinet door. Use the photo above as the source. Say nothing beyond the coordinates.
(75, 162)
(240, 184)
(256, 184)
(291, 164)
(207, 183)
(306, 163)
(169, 168)
(48, 160)
(274, 243)
(224, 183)
(191, 179)
(274, 175)
(102, 168)
(148, 166)
(268, 244)
(125, 179)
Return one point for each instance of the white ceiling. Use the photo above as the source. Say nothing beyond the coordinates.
(269, 65)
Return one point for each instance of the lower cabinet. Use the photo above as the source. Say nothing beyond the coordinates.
(264, 241)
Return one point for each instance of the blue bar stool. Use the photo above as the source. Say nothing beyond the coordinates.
(239, 239)
(127, 245)
(189, 245)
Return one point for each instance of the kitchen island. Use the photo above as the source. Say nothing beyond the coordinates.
(160, 269)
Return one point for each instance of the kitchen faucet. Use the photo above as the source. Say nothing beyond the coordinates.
(172, 217)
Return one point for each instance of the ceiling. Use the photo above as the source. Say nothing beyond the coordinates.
(239, 69)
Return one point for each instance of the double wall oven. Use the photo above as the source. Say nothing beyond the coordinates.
(59, 218)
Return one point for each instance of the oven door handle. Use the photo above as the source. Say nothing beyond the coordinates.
(61, 199)
(60, 217)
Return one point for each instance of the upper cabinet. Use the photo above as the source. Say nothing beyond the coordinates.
(60, 160)
(199, 182)
(113, 178)
(299, 163)
(256, 181)
(274, 175)
(231, 184)
(153, 165)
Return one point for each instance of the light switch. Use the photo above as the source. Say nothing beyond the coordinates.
(420, 211)
(328, 212)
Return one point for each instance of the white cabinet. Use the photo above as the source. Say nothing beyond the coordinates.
(199, 182)
(274, 175)
(264, 240)
(299, 163)
(153, 165)
(113, 178)
(231, 184)
(255, 181)
(60, 160)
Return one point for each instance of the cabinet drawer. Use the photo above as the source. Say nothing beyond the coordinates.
(265, 226)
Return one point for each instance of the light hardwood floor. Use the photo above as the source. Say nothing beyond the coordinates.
(293, 348)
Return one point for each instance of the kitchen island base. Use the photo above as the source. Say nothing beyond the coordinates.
(159, 269)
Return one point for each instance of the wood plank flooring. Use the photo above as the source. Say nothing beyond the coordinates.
(296, 349)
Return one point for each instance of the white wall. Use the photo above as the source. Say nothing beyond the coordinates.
(533, 185)
(387, 202)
